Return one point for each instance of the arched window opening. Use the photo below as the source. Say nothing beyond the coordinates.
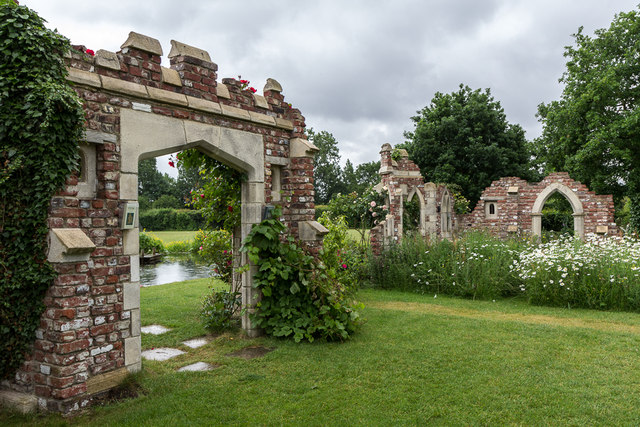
(557, 217)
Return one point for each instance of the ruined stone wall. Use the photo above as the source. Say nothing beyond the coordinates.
(515, 210)
(89, 336)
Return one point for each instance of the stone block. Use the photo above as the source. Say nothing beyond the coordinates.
(132, 351)
(260, 101)
(272, 85)
(602, 229)
(107, 59)
(263, 119)
(135, 267)
(182, 49)
(106, 381)
(128, 186)
(84, 77)
(204, 105)
(167, 96)
(131, 298)
(284, 123)
(222, 91)
(312, 230)
(125, 87)
(171, 77)
(131, 242)
(237, 113)
(69, 245)
(253, 192)
(302, 148)
(135, 322)
(21, 402)
(143, 43)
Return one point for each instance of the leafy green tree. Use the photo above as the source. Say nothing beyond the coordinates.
(326, 170)
(152, 184)
(464, 138)
(367, 175)
(593, 131)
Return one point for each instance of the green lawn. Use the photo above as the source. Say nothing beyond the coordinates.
(174, 236)
(417, 360)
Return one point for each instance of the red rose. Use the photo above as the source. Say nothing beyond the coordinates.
(230, 208)
(171, 164)
(90, 52)
(252, 89)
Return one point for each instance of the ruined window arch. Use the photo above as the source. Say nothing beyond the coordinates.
(446, 214)
(570, 195)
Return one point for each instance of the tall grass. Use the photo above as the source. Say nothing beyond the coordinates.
(600, 273)
(475, 266)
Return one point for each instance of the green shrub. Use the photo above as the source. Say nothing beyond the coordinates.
(299, 299)
(150, 243)
(167, 202)
(171, 219)
(359, 210)
(180, 246)
(218, 310)
(215, 247)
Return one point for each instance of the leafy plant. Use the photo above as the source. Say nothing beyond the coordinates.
(299, 299)
(150, 243)
(219, 308)
(215, 247)
(41, 122)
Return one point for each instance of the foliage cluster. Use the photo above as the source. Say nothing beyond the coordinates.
(592, 132)
(41, 122)
(216, 248)
(149, 243)
(299, 299)
(157, 190)
(360, 210)
(464, 138)
(172, 219)
(219, 308)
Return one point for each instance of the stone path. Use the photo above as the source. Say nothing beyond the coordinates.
(165, 353)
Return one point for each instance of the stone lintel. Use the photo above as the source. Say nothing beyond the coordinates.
(143, 43)
(183, 49)
(167, 96)
(280, 161)
(106, 381)
(107, 59)
(302, 148)
(122, 86)
(222, 91)
(272, 85)
(84, 77)
(171, 77)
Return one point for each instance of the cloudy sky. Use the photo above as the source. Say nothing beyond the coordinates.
(359, 69)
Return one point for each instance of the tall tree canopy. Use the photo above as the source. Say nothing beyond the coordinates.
(326, 170)
(593, 131)
(464, 138)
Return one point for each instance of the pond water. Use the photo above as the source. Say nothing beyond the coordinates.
(173, 268)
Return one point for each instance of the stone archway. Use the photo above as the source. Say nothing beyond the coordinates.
(423, 209)
(446, 215)
(576, 205)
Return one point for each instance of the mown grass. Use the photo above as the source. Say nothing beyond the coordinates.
(417, 360)
(174, 236)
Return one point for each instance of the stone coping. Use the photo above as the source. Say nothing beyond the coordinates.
(111, 84)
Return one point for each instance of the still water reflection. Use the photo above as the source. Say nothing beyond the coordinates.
(173, 268)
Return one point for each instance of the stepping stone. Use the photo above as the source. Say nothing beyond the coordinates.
(251, 352)
(154, 329)
(198, 366)
(196, 342)
(161, 354)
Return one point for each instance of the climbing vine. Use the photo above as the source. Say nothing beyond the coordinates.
(41, 122)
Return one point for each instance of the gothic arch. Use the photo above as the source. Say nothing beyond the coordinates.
(446, 214)
(423, 209)
(570, 195)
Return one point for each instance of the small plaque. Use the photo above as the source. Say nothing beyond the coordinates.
(602, 229)
(512, 229)
(130, 216)
(513, 190)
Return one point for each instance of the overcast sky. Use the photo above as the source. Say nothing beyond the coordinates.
(359, 69)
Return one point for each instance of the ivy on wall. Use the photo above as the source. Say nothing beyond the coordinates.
(41, 122)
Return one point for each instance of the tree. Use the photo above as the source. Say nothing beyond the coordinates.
(152, 183)
(593, 131)
(464, 138)
(326, 170)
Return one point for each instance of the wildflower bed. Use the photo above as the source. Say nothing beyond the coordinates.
(597, 272)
